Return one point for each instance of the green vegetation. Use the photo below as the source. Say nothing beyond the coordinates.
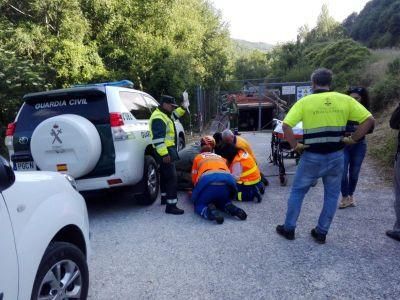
(163, 46)
(166, 46)
(242, 46)
(377, 25)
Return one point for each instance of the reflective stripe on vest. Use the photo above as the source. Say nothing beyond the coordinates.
(250, 174)
(169, 139)
(209, 163)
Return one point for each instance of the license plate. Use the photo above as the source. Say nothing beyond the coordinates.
(24, 166)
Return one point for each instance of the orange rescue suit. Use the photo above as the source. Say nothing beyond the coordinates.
(207, 162)
(241, 143)
(250, 172)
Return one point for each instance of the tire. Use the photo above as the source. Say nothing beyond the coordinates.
(67, 143)
(71, 260)
(181, 143)
(150, 181)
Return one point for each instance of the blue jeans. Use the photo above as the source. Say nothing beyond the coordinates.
(219, 195)
(353, 158)
(311, 167)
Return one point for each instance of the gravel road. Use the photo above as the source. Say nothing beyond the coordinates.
(142, 253)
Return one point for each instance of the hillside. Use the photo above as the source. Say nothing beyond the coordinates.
(246, 46)
(377, 25)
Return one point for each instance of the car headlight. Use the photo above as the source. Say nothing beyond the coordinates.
(71, 180)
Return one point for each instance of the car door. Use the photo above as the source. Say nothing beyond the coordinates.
(8, 256)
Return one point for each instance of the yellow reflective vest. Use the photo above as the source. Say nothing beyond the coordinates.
(163, 133)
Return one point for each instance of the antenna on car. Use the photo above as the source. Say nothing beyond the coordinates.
(122, 83)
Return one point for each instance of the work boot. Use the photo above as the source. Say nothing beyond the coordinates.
(213, 214)
(318, 237)
(264, 180)
(236, 211)
(393, 234)
(173, 209)
(287, 234)
(163, 200)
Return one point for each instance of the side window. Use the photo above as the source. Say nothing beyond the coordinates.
(151, 103)
(136, 104)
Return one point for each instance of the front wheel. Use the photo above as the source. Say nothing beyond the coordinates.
(181, 143)
(62, 274)
(151, 182)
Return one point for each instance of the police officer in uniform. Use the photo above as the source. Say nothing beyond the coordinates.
(164, 139)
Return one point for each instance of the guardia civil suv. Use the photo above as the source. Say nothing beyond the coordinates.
(98, 134)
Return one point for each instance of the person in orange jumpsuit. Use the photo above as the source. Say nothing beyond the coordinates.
(241, 143)
(244, 169)
(214, 186)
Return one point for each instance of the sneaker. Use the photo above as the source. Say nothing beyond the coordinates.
(288, 234)
(347, 202)
(173, 210)
(393, 234)
(352, 202)
(320, 238)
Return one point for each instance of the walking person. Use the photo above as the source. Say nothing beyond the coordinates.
(164, 139)
(324, 115)
(353, 154)
(395, 124)
(214, 186)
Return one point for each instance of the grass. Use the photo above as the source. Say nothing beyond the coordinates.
(382, 143)
(376, 70)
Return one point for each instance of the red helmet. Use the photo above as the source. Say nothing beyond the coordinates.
(207, 140)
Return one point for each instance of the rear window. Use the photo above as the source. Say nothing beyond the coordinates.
(90, 106)
(135, 103)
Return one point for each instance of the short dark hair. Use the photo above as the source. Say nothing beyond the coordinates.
(363, 92)
(228, 151)
(322, 77)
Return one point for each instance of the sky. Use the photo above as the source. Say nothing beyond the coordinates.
(277, 21)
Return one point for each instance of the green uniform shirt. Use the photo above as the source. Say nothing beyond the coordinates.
(324, 115)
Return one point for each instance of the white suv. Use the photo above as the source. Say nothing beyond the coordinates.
(44, 236)
(99, 134)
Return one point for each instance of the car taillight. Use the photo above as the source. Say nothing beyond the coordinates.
(116, 120)
(11, 129)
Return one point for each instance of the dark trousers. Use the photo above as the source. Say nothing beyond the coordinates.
(168, 182)
(249, 192)
(396, 226)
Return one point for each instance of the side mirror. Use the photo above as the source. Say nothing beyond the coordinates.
(7, 176)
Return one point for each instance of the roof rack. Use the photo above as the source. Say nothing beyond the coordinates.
(122, 83)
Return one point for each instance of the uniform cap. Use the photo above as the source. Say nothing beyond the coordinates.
(168, 99)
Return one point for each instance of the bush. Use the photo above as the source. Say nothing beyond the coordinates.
(384, 93)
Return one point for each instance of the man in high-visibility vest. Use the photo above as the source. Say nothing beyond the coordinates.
(324, 115)
(244, 169)
(241, 143)
(164, 139)
(214, 186)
